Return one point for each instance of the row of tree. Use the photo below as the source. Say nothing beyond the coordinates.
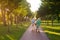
(49, 10)
(13, 11)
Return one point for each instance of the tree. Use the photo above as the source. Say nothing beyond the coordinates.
(13, 11)
(49, 7)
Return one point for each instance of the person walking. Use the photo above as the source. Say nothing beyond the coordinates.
(33, 23)
(38, 23)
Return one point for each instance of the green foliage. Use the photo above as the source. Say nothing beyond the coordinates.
(52, 32)
(49, 7)
(14, 8)
(15, 33)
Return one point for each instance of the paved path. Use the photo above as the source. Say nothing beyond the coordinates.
(33, 35)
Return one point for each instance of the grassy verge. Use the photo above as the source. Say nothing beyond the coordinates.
(53, 32)
(14, 33)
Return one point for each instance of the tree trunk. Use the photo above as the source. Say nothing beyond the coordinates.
(58, 17)
(11, 19)
(3, 17)
(52, 20)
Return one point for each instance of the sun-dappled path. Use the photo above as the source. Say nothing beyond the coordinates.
(33, 35)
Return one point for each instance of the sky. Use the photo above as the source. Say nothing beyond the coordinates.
(35, 4)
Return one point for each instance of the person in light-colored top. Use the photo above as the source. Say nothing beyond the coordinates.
(33, 23)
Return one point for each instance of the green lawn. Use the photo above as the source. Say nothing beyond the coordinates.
(15, 32)
(53, 32)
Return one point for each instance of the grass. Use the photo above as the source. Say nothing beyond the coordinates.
(15, 33)
(53, 32)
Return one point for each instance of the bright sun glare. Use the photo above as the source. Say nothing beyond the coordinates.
(35, 4)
